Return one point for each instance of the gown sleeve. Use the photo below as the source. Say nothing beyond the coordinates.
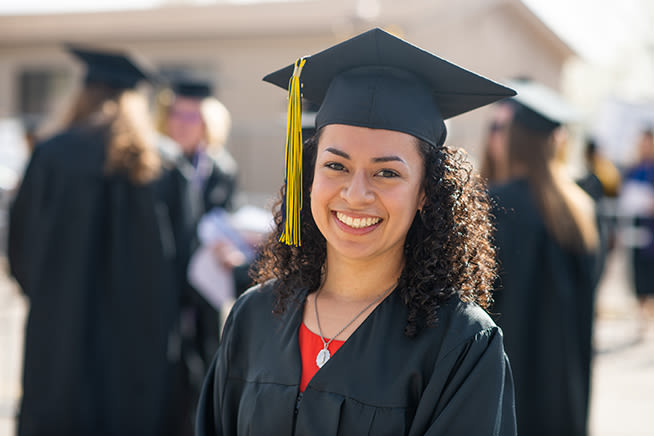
(27, 221)
(471, 391)
(208, 419)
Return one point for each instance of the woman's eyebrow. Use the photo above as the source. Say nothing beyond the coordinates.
(388, 159)
(344, 155)
(338, 152)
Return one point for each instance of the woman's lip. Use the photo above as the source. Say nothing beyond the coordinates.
(356, 223)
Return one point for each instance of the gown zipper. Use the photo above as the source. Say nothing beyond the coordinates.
(298, 400)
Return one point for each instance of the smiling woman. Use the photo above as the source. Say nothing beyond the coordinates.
(374, 323)
(365, 193)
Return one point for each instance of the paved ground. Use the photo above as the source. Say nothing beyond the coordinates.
(622, 402)
(12, 316)
(622, 398)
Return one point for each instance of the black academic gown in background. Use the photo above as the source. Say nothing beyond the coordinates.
(452, 379)
(94, 254)
(205, 182)
(219, 190)
(211, 183)
(545, 306)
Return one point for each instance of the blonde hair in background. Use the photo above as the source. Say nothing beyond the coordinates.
(568, 212)
(124, 114)
(218, 123)
(216, 117)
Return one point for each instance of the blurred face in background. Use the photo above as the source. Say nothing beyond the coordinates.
(646, 146)
(495, 164)
(497, 148)
(185, 124)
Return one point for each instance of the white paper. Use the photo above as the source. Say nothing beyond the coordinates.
(210, 278)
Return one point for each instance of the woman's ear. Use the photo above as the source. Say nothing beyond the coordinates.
(422, 200)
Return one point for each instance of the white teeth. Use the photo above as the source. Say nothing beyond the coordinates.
(357, 223)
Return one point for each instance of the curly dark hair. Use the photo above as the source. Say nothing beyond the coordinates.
(448, 248)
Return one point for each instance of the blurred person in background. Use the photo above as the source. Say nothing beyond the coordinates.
(637, 200)
(189, 114)
(494, 165)
(549, 255)
(603, 169)
(589, 181)
(368, 317)
(91, 246)
(602, 182)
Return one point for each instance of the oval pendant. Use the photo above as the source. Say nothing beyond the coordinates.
(322, 357)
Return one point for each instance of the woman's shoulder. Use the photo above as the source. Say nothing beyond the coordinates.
(508, 191)
(255, 304)
(514, 203)
(70, 135)
(257, 293)
(253, 316)
(465, 316)
(53, 145)
(72, 145)
(461, 322)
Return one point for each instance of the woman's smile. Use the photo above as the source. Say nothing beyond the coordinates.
(357, 222)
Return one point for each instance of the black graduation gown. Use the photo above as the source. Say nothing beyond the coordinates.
(219, 191)
(94, 255)
(452, 379)
(545, 306)
(211, 183)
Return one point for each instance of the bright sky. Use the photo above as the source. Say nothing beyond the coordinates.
(595, 28)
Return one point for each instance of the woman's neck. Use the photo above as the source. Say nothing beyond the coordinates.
(353, 281)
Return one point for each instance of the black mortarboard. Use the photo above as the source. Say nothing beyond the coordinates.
(539, 108)
(111, 68)
(379, 81)
(191, 88)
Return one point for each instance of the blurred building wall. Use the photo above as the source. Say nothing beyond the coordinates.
(236, 45)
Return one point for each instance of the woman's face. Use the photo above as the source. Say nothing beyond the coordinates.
(366, 189)
(646, 147)
(185, 124)
(498, 134)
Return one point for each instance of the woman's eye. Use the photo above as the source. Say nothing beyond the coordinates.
(334, 166)
(388, 173)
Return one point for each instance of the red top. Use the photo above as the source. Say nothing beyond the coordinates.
(310, 346)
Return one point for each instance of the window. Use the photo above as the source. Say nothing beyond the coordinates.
(40, 89)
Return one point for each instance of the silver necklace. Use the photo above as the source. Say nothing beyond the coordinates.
(324, 355)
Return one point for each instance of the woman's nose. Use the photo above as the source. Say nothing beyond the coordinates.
(358, 189)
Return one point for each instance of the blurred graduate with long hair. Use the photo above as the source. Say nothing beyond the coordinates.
(92, 247)
(550, 257)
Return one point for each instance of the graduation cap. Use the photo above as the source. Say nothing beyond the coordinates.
(539, 108)
(115, 69)
(379, 81)
(192, 88)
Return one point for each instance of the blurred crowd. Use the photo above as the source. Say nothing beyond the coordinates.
(125, 235)
(102, 237)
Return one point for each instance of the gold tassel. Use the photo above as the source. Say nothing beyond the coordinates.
(293, 203)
